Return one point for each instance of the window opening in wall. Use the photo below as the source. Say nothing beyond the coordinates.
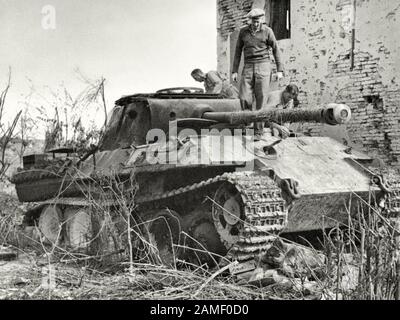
(278, 17)
(375, 100)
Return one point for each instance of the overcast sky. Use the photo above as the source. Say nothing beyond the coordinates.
(137, 45)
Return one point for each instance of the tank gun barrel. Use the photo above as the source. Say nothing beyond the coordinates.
(332, 114)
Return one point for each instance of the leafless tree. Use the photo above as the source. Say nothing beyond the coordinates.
(65, 127)
(25, 127)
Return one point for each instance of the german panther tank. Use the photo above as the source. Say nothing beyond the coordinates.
(195, 182)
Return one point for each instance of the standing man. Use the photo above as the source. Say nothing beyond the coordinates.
(214, 83)
(255, 41)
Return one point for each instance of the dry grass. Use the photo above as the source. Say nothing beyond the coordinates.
(110, 274)
(121, 262)
(146, 282)
(363, 256)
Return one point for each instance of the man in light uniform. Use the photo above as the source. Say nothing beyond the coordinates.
(215, 83)
(255, 41)
(282, 99)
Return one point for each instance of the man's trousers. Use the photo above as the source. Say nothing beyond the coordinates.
(255, 81)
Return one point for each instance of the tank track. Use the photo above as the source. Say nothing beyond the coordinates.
(265, 212)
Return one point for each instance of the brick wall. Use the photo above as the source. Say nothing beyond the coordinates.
(317, 59)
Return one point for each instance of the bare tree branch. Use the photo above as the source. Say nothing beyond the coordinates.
(5, 140)
(3, 96)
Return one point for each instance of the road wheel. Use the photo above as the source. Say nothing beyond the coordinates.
(78, 227)
(163, 228)
(50, 224)
(228, 213)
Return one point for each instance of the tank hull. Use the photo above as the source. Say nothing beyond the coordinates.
(330, 181)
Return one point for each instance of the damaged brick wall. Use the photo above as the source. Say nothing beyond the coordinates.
(231, 17)
(317, 58)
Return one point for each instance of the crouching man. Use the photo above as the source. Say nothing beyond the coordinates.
(214, 83)
(282, 99)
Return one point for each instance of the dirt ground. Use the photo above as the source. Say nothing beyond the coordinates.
(34, 275)
(29, 278)
(37, 273)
